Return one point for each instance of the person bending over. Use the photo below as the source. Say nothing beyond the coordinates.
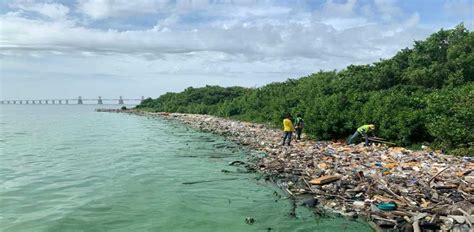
(363, 130)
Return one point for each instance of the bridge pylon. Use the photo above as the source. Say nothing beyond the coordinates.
(120, 100)
(99, 101)
(79, 100)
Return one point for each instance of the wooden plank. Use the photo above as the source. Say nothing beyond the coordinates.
(324, 180)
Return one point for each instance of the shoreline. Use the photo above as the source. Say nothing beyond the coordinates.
(391, 188)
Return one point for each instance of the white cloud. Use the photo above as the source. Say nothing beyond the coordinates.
(262, 39)
(100, 9)
(51, 10)
(227, 42)
(462, 9)
(346, 23)
(388, 9)
(334, 9)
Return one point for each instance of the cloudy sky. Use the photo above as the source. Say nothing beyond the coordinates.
(67, 48)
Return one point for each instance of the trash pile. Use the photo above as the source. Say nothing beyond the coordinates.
(395, 189)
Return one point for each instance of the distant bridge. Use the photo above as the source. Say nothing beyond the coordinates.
(79, 101)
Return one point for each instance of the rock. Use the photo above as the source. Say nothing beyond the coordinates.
(249, 220)
(311, 203)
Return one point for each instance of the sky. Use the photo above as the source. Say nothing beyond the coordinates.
(110, 48)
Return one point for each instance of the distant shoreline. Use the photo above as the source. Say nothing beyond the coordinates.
(361, 181)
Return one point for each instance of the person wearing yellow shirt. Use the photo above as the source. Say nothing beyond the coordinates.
(363, 130)
(288, 129)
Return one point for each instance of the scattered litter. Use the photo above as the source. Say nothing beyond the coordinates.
(394, 188)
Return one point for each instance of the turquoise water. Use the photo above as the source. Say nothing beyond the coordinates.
(68, 168)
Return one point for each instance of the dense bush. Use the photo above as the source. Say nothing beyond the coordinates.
(194, 100)
(450, 118)
(422, 94)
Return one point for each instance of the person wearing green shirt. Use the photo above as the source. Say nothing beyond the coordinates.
(299, 124)
(363, 130)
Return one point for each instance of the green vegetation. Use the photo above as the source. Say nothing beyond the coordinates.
(422, 95)
(194, 100)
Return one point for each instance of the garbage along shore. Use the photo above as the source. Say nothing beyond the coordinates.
(393, 188)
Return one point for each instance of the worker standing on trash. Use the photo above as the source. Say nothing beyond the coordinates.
(363, 130)
(288, 129)
(299, 124)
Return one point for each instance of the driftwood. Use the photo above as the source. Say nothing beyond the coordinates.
(309, 186)
(391, 192)
(466, 215)
(289, 192)
(324, 180)
(437, 174)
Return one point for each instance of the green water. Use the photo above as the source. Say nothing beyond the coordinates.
(68, 168)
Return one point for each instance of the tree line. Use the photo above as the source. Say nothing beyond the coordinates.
(424, 94)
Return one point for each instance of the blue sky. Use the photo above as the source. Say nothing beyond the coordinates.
(70, 48)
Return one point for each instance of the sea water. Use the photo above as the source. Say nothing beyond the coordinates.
(69, 168)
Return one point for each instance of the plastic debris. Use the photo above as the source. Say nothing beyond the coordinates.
(387, 206)
(431, 190)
